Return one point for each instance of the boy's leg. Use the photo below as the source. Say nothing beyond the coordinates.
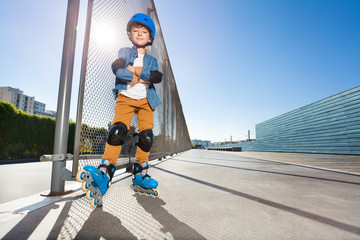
(96, 181)
(145, 124)
(124, 111)
(141, 180)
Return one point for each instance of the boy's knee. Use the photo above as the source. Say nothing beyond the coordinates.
(117, 134)
(146, 139)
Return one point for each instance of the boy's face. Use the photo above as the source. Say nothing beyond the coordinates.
(139, 35)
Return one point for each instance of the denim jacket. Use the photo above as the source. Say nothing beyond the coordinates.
(124, 76)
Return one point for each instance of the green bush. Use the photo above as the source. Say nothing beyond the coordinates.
(24, 135)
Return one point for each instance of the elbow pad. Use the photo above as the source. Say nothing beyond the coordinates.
(120, 81)
(155, 77)
(117, 64)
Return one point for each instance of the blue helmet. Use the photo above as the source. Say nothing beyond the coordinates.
(144, 20)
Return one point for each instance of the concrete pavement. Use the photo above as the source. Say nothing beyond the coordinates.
(206, 195)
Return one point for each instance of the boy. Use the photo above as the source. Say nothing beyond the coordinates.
(136, 73)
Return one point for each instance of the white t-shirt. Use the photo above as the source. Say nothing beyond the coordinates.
(137, 91)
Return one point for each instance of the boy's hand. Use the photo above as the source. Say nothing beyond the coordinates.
(131, 69)
(143, 81)
(138, 71)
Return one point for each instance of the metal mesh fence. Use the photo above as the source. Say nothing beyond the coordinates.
(106, 31)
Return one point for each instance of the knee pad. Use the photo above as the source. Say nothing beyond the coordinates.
(117, 134)
(146, 139)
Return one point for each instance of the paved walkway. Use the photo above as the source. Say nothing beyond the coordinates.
(205, 195)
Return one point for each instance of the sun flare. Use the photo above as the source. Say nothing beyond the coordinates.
(103, 35)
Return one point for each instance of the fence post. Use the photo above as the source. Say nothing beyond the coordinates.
(63, 108)
(77, 137)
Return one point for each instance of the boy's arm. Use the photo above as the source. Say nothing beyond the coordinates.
(135, 70)
(120, 70)
(136, 73)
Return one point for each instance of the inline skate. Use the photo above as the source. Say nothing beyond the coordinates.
(96, 181)
(142, 182)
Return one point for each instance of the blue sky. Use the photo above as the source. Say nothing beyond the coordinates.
(236, 62)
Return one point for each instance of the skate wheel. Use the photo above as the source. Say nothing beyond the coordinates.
(142, 192)
(93, 203)
(79, 175)
(156, 193)
(148, 194)
(88, 195)
(84, 186)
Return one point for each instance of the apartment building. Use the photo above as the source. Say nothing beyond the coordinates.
(23, 102)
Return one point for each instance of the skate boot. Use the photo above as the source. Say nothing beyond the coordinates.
(96, 181)
(142, 182)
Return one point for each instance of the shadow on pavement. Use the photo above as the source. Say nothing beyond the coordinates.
(299, 212)
(178, 229)
(31, 221)
(103, 224)
(270, 172)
